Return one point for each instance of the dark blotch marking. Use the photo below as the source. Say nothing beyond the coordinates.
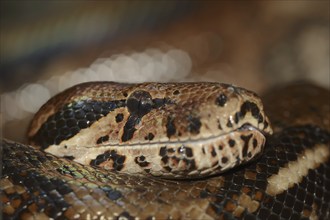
(102, 139)
(229, 124)
(69, 157)
(266, 124)
(260, 118)
(231, 143)
(170, 127)
(119, 117)
(163, 151)
(170, 150)
(165, 159)
(129, 128)
(194, 125)
(175, 160)
(219, 125)
(221, 100)
(224, 160)
(118, 160)
(189, 152)
(139, 103)
(255, 143)
(248, 106)
(190, 164)
(185, 151)
(141, 161)
(237, 116)
(167, 168)
(213, 153)
(149, 137)
(246, 140)
(176, 92)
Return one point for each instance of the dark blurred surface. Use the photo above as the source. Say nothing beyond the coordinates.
(35, 33)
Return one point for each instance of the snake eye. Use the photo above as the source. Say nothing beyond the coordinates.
(139, 103)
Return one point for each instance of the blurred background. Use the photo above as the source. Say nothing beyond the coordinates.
(46, 47)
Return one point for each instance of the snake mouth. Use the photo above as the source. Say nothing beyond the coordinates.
(250, 127)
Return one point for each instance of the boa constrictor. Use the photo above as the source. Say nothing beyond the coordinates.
(105, 150)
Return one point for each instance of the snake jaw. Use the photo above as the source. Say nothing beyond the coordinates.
(188, 159)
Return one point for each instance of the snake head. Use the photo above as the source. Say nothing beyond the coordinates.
(173, 130)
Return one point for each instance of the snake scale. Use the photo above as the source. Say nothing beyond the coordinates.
(172, 151)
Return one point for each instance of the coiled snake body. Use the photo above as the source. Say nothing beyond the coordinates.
(134, 136)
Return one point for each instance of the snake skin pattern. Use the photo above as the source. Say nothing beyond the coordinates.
(291, 179)
(173, 130)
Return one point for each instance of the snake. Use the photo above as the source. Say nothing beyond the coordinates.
(199, 150)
